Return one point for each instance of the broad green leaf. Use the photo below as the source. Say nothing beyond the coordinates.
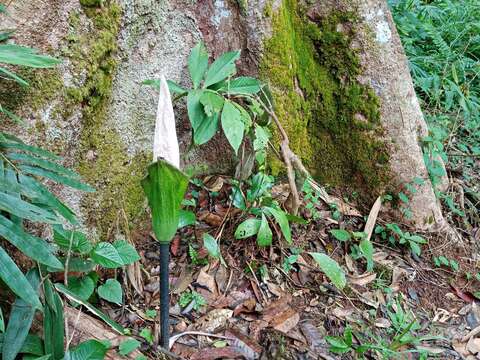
(127, 346)
(111, 291)
(402, 196)
(32, 246)
(281, 219)
(75, 241)
(40, 194)
(17, 144)
(247, 228)
(72, 182)
(82, 287)
(146, 333)
(126, 251)
(206, 130)
(242, 85)
(210, 243)
(16, 281)
(14, 76)
(14, 205)
(76, 264)
(20, 321)
(53, 323)
(71, 296)
(212, 102)
(331, 268)
(264, 235)
(415, 248)
(232, 125)
(262, 136)
(222, 68)
(340, 234)
(172, 86)
(186, 218)
(196, 114)
(366, 247)
(165, 187)
(32, 345)
(198, 63)
(88, 350)
(42, 163)
(24, 56)
(244, 116)
(106, 255)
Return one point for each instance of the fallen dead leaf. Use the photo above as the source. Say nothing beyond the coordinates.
(214, 320)
(286, 321)
(372, 218)
(460, 347)
(383, 323)
(183, 281)
(246, 306)
(227, 352)
(473, 345)
(207, 280)
(342, 313)
(213, 183)
(248, 346)
(210, 218)
(464, 295)
(362, 280)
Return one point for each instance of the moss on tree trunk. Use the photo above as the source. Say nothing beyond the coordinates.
(332, 120)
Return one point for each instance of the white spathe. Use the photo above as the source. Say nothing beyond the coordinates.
(165, 144)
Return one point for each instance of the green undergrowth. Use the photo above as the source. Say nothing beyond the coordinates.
(332, 120)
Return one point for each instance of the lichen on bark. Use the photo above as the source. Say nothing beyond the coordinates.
(332, 120)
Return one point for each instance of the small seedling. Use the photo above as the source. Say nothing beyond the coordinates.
(192, 296)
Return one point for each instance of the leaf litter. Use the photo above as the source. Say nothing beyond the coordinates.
(258, 304)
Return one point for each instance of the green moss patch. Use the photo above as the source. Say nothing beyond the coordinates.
(332, 120)
(104, 161)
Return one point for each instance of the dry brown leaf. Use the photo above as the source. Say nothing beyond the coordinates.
(473, 345)
(210, 218)
(83, 327)
(134, 275)
(342, 313)
(372, 218)
(286, 321)
(207, 280)
(227, 352)
(383, 323)
(460, 347)
(183, 281)
(214, 320)
(213, 183)
(250, 348)
(362, 280)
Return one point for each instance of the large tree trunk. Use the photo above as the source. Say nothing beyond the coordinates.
(338, 74)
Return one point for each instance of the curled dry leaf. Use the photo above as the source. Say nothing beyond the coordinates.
(207, 280)
(372, 218)
(362, 280)
(213, 183)
(214, 320)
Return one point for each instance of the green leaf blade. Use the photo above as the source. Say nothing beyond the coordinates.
(222, 68)
(232, 125)
(331, 268)
(198, 63)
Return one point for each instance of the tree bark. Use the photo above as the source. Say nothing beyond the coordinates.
(103, 120)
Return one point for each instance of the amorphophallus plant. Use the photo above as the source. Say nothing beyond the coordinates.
(165, 186)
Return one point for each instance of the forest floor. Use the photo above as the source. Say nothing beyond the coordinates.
(275, 303)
